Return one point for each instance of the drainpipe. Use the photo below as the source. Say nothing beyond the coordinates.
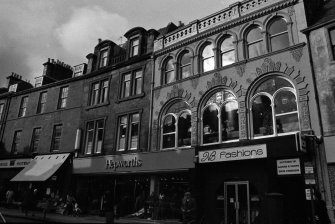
(151, 100)
(320, 152)
(4, 117)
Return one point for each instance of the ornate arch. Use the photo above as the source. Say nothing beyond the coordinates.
(247, 27)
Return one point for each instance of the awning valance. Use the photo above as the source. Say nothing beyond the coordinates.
(41, 167)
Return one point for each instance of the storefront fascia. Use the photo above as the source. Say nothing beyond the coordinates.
(268, 169)
(144, 162)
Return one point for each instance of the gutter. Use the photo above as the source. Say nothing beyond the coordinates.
(151, 101)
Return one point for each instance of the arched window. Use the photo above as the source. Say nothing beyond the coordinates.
(220, 118)
(274, 108)
(176, 126)
(227, 51)
(255, 46)
(185, 65)
(207, 58)
(278, 34)
(169, 72)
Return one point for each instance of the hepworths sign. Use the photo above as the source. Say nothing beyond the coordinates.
(230, 154)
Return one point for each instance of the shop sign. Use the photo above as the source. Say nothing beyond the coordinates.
(309, 170)
(14, 163)
(308, 194)
(288, 166)
(230, 154)
(115, 164)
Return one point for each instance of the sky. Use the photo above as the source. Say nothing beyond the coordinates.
(31, 31)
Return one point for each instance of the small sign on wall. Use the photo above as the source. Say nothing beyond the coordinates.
(288, 166)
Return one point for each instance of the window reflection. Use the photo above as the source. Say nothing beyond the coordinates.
(207, 58)
(229, 121)
(185, 65)
(210, 125)
(169, 130)
(169, 75)
(278, 34)
(255, 42)
(227, 51)
(262, 116)
(184, 129)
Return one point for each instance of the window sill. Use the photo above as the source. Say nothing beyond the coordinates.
(130, 98)
(96, 106)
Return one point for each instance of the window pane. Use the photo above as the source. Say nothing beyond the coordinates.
(254, 35)
(186, 58)
(184, 129)
(138, 82)
(332, 36)
(134, 135)
(169, 124)
(104, 57)
(126, 85)
(262, 116)
(255, 49)
(169, 141)
(279, 42)
(122, 133)
(104, 93)
(95, 94)
(208, 64)
(170, 77)
(99, 136)
(272, 85)
(285, 102)
(210, 125)
(134, 47)
(36, 139)
(227, 58)
(1, 110)
(287, 123)
(208, 51)
(89, 137)
(278, 26)
(229, 121)
(185, 71)
(227, 44)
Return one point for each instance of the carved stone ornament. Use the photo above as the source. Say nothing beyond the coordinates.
(297, 54)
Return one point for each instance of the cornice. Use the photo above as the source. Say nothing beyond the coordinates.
(233, 23)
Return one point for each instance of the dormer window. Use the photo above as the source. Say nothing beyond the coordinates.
(103, 57)
(134, 46)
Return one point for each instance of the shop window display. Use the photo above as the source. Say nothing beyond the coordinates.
(176, 126)
(220, 118)
(274, 108)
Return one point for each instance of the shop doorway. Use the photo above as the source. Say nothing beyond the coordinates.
(236, 203)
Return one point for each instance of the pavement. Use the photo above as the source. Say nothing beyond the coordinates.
(58, 218)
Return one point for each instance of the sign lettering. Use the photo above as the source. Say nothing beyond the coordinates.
(115, 164)
(288, 166)
(239, 153)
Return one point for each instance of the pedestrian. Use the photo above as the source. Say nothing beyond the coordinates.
(27, 201)
(9, 197)
(321, 214)
(108, 206)
(188, 208)
(34, 201)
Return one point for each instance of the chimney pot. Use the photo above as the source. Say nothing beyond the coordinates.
(99, 40)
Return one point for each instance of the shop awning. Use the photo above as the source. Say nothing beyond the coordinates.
(41, 167)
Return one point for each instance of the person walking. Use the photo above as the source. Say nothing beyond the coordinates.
(321, 214)
(108, 206)
(188, 208)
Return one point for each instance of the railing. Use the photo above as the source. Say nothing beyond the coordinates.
(118, 59)
(234, 11)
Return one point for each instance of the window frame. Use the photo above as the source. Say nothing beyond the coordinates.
(132, 84)
(56, 138)
(132, 46)
(247, 44)
(23, 106)
(2, 108)
(270, 37)
(181, 66)
(202, 59)
(332, 45)
(16, 142)
(103, 60)
(33, 140)
(99, 91)
(219, 110)
(165, 71)
(94, 150)
(272, 98)
(176, 132)
(41, 106)
(127, 143)
(223, 39)
(61, 98)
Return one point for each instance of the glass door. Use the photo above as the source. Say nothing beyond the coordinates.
(237, 207)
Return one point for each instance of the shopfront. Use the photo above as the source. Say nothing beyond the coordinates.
(146, 185)
(259, 182)
(8, 169)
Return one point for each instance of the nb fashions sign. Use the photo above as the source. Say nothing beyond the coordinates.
(230, 154)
